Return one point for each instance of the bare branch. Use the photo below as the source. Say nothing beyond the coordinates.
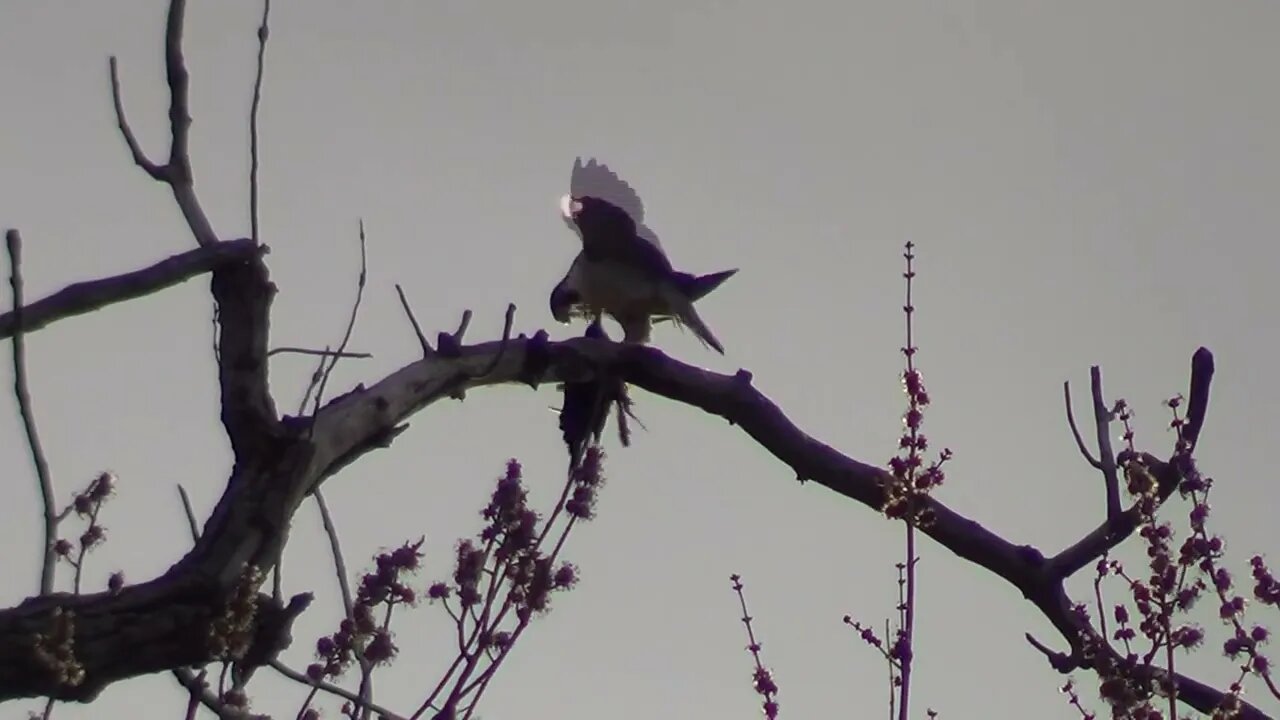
(250, 520)
(1113, 531)
(366, 668)
(253, 123)
(1198, 402)
(1106, 456)
(321, 353)
(417, 329)
(83, 297)
(13, 241)
(175, 66)
(177, 172)
(335, 690)
(462, 326)
(191, 515)
(351, 321)
(506, 337)
(1075, 430)
(314, 383)
(139, 156)
(335, 547)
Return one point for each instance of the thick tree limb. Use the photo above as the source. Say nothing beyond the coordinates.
(83, 297)
(243, 293)
(271, 479)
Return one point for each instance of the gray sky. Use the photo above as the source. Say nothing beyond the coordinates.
(1087, 183)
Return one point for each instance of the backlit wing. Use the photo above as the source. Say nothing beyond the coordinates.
(597, 180)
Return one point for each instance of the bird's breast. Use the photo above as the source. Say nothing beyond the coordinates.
(617, 288)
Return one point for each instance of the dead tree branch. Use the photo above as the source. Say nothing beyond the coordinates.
(272, 478)
(176, 173)
(84, 297)
(1075, 429)
(1102, 417)
(253, 123)
(321, 353)
(13, 242)
(427, 350)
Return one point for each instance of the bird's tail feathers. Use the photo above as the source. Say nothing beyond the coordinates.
(696, 287)
(688, 317)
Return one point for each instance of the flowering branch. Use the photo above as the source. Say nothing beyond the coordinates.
(761, 677)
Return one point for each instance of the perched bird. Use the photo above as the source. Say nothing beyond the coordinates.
(622, 270)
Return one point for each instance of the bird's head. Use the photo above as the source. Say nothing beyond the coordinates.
(591, 215)
(562, 300)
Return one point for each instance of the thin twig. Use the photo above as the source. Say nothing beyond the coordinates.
(351, 322)
(191, 515)
(506, 338)
(463, 325)
(1106, 456)
(253, 124)
(909, 624)
(335, 690)
(306, 703)
(324, 353)
(764, 684)
(1075, 430)
(893, 675)
(427, 351)
(13, 241)
(481, 683)
(139, 156)
(339, 564)
(366, 668)
(316, 375)
(176, 173)
(193, 702)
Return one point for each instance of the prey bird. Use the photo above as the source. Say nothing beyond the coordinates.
(622, 270)
(586, 408)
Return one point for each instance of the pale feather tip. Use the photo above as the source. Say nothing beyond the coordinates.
(569, 207)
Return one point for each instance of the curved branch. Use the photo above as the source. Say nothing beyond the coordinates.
(251, 519)
(83, 297)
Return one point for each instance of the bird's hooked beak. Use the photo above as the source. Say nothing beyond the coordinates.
(561, 302)
(570, 207)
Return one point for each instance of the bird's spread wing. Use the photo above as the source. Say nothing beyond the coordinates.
(597, 180)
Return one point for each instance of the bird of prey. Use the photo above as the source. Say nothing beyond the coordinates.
(622, 270)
